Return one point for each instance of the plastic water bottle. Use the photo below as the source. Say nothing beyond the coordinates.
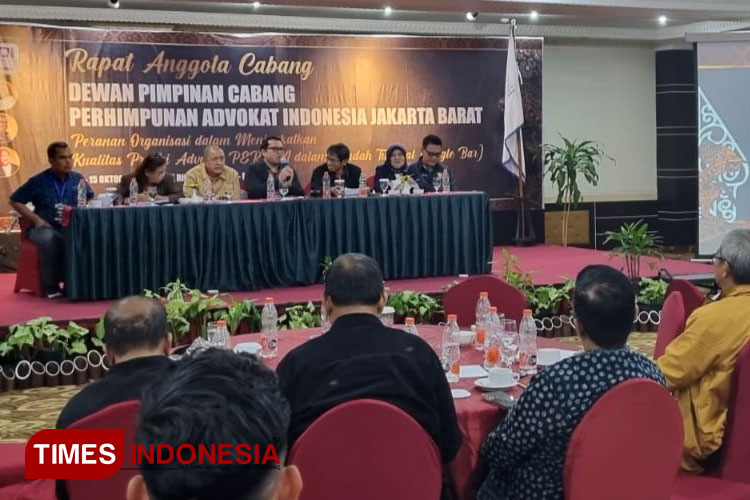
(283, 163)
(527, 340)
(208, 191)
(133, 196)
(270, 188)
(483, 309)
(446, 181)
(326, 185)
(82, 193)
(363, 189)
(492, 339)
(450, 352)
(410, 327)
(269, 330)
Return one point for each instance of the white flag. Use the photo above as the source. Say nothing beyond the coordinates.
(513, 159)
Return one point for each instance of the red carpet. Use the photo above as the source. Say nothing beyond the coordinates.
(548, 264)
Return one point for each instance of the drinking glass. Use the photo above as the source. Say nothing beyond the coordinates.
(452, 362)
(151, 192)
(283, 188)
(386, 316)
(437, 181)
(229, 192)
(509, 340)
(384, 185)
(339, 187)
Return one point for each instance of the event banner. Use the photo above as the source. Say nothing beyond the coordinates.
(116, 96)
(724, 141)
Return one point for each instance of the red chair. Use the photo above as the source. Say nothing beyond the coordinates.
(29, 273)
(367, 450)
(628, 446)
(371, 182)
(735, 455)
(672, 322)
(308, 188)
(692, 297)
(692, 487)
(118, 416)
(462, 299)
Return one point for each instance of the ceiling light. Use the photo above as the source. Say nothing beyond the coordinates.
(662, 20)
(471, 16)
(534, 15)
(387, 10)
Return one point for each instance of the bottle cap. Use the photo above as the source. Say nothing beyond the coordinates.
(409, 321)
(493, 309)
(452, 317)
(484, 295)
(221, 322)
(527, 312)
(269, 299)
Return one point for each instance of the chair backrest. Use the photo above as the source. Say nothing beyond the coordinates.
(627, 446)
(735, 456)
(308, 188)
(117, 416)
(368, 450)
(692, 297)
(371, 182)
(462, 299)
(672, 322)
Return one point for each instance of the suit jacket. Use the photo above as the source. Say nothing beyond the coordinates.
(257, 176)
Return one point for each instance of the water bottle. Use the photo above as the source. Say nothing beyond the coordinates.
(82, 193)
(326, 185)
(208, 191)
(410, 327)
(270, 188)
(133, 193)
(269, 336)
(450, 352)
(483, 309)
(451, 332)
(283, 162)
(363, 189)
(492, 339)
(527, 340)
(446, 181)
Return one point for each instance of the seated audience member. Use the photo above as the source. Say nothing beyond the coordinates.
(225, 181)
(136, 343)
(428, 166)
(49, 191)
(272, 150)
(360, 358)
(525, 454)
(338, 167)
(151, 172)
(698, 364)
(216, 397)
(395, 165)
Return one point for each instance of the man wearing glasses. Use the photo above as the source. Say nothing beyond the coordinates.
(338, 167)
(273, 163)
(428, 166)
(699, 363)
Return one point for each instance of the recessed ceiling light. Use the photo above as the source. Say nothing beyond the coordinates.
(256, 5)
(387, 10)
(471, 16)
(662, 20)
(534, 15)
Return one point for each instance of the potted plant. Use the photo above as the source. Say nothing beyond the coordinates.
(241, 316)
(420, 306)
(650, 299)
(565, 165)
(300, 316)
(632, 242)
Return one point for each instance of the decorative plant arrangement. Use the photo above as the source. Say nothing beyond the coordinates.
(634, 241)
(420, 306)
(300, 316)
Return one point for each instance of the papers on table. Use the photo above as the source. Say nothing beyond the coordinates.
(472, 371)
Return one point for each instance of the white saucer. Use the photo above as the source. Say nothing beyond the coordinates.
(484, 384)
(460, 393)
(248, 347)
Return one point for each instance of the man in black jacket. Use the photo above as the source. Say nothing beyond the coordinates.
(273, 152)
(338, 167)
(360, 358)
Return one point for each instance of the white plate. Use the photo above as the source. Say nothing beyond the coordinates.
(248, 347)
(484, 384)
(460, 393)
(466, 337)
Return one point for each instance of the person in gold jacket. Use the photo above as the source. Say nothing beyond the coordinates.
(698, 364)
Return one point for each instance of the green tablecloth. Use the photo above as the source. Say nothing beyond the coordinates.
(120, 251)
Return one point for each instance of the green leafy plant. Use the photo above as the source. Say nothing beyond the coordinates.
(325, 264)
(652, 291)
(565, 165)
(545, 299)
(173, 290)
(299, 316)
(178, 325)
(98, 338)
(76, 339)
(238, 312)
(513, 275)
(420, 306)
(198, 309)
(632, 242)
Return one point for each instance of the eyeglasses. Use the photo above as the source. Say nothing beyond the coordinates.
(433, 154)
(276, 150)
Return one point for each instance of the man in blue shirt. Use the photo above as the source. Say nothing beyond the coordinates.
(50, 191)
(428, 166)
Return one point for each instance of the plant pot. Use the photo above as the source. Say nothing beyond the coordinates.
(567, 327)
(95, 364)
(52, 373)
(67, 372)
(654, 318)
(46, 355)
(37, 374)
(557, 326)
(539, 327)
(643, 321)
(105, 364)
(547, 325)
(8, 377)
(23, 374)
(81, 367)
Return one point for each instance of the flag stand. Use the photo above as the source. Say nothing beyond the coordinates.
(525, 234)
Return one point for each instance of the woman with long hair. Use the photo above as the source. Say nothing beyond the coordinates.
(152, 172)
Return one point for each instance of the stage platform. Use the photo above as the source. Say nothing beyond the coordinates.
(547, 264)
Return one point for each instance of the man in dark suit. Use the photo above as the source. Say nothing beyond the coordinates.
(137, 341)
(272, 163)
(338, 167)
(360, 358)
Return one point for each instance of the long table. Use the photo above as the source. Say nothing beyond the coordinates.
(476, 417)
(251, 245)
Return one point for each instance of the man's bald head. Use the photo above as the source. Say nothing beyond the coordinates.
(135, 324)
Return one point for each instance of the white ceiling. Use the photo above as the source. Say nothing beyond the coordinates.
(565, 19)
